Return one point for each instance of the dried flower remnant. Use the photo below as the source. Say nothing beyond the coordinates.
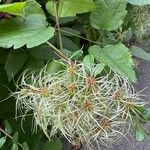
(71, 108)
(140, 16)
(91, 81)
(87, 106)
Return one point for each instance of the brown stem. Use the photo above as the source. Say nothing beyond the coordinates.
(7, 135)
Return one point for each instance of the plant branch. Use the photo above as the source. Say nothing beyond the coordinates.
(81, 37)
(5, 133)
(8, 135)
(57, 25)
(58, 52)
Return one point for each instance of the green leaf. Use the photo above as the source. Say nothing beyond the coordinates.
(14, 8)
(139, 2)
(30, 31)
(55, 144)
(54, 66)
(34, 140)
(77, 54)
(146, 114)
(67, 8)
(98, 69)
(69, 31)
(25, 146)
(19, 32)
(14, 147)
(88, 62)
(140, 53)
(15, 138)
(127, 35)
(34, 64)
(109, 14)
(65, 20)
(139, 132)
(8, 128)
(69, 44)
(41, 52)
(37, 8)
(117, 57)
(15, 61)
(88, 59)
(2, 141)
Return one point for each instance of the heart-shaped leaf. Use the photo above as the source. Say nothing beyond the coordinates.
(30, 31)
(109, 14)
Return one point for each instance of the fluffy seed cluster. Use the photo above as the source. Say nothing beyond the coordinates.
(78, 103)
(141, 19)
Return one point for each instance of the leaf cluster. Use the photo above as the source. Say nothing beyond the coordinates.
(110, 33)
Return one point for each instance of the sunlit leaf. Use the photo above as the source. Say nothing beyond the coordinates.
(99, 68)
(88, 59)
(25, 146)
(15, 137)
(2, 141)
(146, 114)
(109, 14)
(8, 128)
(14, 147)
(139, 133)
(30, 31)
(14, 8)
(117, 57)
(139, 2)
(76, 55)
(54, 66)
(68, 8)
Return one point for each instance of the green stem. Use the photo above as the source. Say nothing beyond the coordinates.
(58, 52)
(81, 37)
(57, 25)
